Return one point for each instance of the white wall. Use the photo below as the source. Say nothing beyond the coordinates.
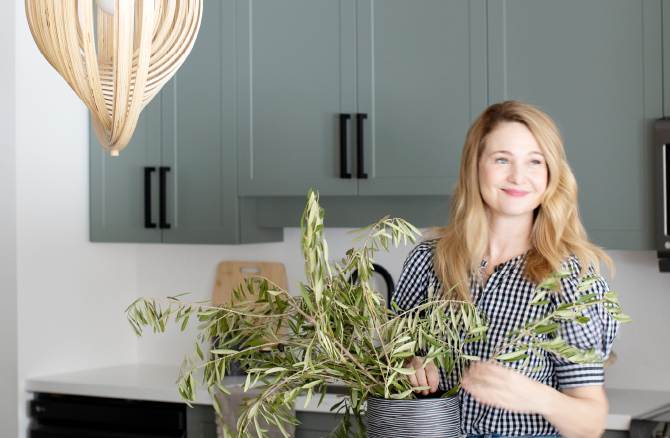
(8, 328)
(643, 346)
(71, 293)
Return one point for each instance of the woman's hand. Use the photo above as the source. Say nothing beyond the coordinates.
(576, 412)
(424, 376)
(495, 385)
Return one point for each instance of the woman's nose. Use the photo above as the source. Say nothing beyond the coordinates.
(516, 175)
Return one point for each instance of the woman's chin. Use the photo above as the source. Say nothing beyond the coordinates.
(514, 212)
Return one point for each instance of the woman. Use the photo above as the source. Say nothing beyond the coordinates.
(513, 221)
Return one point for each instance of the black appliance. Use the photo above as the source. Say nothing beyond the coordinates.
(70, 416)
(386, 288)
(662, 198)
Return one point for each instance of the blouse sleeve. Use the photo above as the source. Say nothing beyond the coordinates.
(415, 278)
(598, 333)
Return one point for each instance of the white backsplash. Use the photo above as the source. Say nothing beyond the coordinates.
(642, 347)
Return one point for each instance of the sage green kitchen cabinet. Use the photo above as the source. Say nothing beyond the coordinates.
(251, 121)
(665, 8)
(421, 80)
(596, 68)
(198, 138)
(200, 422)
(187, 132)
(296, 68)
(318, 424)
(117, 183)
(416, 69)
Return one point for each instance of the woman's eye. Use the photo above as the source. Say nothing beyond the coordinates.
(536, 162)
(501, 160)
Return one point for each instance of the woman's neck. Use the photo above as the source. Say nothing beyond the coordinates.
(509, 237)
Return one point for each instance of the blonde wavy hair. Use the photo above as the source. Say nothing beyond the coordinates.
(557, 232)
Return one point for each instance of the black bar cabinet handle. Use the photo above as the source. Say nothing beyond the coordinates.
(359, 145)
(343, 146)
(162, 200)
(147, 197)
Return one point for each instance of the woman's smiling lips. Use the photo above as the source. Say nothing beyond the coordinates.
(512, 192)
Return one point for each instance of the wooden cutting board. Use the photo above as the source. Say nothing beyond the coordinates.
(230, 274)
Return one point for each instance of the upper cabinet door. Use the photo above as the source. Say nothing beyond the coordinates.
(199, 136)
(296, 72)
(595, 67)
(118, 184)
(666, 57)
(421, 80)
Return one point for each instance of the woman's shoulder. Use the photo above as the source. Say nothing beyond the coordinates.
(423, 251)
(574, 277)
(418, 274)
(573, 267)
(420, 258)
(427, 245)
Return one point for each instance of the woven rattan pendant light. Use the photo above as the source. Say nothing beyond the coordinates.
(140, 45)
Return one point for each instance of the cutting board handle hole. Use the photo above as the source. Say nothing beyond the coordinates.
(250, 270)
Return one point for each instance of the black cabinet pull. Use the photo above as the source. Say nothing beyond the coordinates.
(343, 146)
(162, 200)
(359, 145)
(147, 197)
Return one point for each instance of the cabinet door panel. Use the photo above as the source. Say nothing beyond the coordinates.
(586, 64)
(117, 183)
(666, 56)
(421, 72)
(296, 73)
(198, 142)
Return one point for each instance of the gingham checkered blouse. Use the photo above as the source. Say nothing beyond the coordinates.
(505, 298)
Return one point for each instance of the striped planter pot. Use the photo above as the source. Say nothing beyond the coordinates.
(413, 418)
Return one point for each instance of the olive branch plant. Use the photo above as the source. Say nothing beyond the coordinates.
(337, 330)
(543, 333)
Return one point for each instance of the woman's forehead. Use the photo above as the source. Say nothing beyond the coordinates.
(512, 138)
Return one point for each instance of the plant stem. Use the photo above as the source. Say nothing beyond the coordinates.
(379, 336)
(183, 304)
(527, 331)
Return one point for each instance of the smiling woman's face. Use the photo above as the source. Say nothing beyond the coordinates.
(512, 171)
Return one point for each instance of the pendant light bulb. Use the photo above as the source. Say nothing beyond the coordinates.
(107, 6)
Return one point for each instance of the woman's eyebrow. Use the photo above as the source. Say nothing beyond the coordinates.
(509, 153)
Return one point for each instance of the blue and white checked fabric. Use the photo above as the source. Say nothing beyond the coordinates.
(505, 299)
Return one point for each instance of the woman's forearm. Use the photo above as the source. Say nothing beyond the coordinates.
(576, 412)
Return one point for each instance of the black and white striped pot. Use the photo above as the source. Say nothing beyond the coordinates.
(413, 418)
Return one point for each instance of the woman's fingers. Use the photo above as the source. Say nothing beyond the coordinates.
(428, 376)
(412, 377)
(433, 376)
(501, 387)
(419, 377)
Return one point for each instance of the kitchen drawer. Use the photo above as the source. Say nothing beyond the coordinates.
(56, 415)
(72, 416)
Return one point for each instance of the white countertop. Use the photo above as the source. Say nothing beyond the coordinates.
(135, 381)
(158, 383)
